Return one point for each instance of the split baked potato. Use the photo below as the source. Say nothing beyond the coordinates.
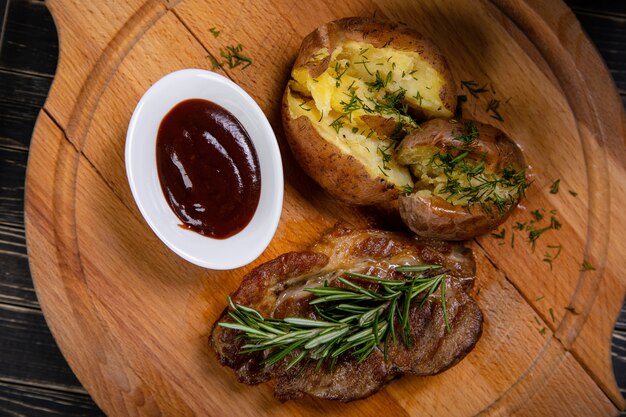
(367, 113)
(468, 177)
(357, 87)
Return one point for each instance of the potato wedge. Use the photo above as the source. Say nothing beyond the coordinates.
(357, 87)
(468, 178)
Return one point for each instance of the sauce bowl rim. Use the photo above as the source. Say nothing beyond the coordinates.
(140, 159)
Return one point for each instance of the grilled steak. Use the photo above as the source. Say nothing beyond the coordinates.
(276, 289)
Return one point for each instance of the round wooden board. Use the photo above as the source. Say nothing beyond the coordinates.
(132, 318)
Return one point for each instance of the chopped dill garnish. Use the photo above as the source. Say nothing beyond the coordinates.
(492, 106)
(549, 257)
(399, 131)
(339, 73)
(587, 266)
(554, 188)
(353, 104)
(301, 105)
(418, 97)
(534, 234)
(215, 32)
(337, 123)
(499, 235)
(364, 63)
(379, 83)
(573, 193)
(392, 103)
(537, 215)
(470, 133)
(406, 190)
(555, 223)
(480, 187)
(552, 314)
(473, 87)
(215, 63)
(234, 57)
(519, 226)
(572, 310)
(386, 155)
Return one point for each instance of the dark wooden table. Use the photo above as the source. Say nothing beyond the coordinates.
(35, 380)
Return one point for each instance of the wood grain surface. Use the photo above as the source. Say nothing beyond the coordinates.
(88, 167)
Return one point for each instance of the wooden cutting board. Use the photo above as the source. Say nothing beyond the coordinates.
(132, 318)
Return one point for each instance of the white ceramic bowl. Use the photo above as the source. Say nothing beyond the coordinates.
(141, 169)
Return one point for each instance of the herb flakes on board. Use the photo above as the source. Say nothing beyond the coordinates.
(231, 55)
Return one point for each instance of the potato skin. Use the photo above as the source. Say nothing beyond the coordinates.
(499, 148)
(340, 174)
(436, 217)
(381, 34)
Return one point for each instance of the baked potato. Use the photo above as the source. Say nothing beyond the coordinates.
(468, 177)
(357, 87)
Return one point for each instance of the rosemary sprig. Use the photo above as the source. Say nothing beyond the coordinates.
(349, 319)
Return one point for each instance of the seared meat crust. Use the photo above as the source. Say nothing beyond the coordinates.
(275, 289)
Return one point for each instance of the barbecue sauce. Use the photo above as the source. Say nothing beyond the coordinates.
(208, 168)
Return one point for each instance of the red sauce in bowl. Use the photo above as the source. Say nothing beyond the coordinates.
(208, 168)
